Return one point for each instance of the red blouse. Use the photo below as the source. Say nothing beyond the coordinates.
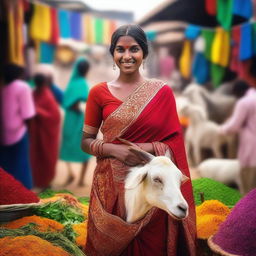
(100, 104)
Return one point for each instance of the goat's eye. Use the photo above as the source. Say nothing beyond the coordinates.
(158, 180)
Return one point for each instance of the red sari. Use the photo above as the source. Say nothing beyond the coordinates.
(44, 137)
(148, 115)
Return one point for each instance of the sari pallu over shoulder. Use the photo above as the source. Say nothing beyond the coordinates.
(148, 115)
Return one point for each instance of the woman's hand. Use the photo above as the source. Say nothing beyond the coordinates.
(123, 154)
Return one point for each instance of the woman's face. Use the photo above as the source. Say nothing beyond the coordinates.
(128, 55)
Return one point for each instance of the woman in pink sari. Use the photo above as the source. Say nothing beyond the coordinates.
(142, 111)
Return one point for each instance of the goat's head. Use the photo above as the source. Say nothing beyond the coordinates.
(160, 180)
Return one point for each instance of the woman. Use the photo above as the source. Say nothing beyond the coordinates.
(76, 92)
(242, 122)
(17, 110)
(141, 111)
(45, 133)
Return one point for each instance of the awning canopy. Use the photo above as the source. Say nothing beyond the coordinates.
(190, 11)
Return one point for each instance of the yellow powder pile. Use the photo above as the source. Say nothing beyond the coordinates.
(81, 230)
(209, 215)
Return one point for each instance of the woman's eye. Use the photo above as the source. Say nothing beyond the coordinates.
(119, 50)
(135, 49)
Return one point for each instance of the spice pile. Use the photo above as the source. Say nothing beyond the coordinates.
(58, 227)
(17, 193)
(209, 215)
(214, 190)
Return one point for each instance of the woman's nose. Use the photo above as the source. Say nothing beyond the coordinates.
(127, 54)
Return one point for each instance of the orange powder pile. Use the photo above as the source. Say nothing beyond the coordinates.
(29, 246)
(209, 215)
(43, 224)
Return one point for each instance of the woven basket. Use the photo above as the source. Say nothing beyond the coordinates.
(15, 211)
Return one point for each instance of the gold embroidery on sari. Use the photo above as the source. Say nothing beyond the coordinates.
(125, 115)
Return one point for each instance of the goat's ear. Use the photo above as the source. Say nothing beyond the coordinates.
(143, 155)
(136, 180)
(184, 179)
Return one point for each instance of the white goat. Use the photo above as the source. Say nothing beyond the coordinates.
(225, 171)
(156, 184)
(218, 106)
(203, 133)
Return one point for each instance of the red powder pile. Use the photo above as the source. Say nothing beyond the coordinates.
(13, 192)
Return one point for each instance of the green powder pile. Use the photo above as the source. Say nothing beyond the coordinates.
(212, 189)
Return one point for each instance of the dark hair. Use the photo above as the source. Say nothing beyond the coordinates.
(40, 79)
(12, 72)
(133, 31)
(240, 88)
(83, 67)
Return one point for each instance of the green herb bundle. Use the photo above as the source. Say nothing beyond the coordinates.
(61, 212)
(47, 193)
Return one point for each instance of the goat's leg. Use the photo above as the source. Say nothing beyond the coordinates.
(197, 154)
(217, 150)
(188, 152)
(231, 147)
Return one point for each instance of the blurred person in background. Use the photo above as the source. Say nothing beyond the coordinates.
(18, 109)
(45, 133)
(76, 92)
(242, 122)
(166, 63)
(142, 111)
(48, 71)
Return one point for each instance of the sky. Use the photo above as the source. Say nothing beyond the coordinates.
(138, 7)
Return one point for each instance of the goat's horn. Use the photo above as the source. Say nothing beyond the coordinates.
(143, 155)
(184, 178)
(126, 142)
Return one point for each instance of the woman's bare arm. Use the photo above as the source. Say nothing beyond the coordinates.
(118, 151)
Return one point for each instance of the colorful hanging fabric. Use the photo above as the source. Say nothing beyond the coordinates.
(89, 35)
(55, 31)
(246, 49)
(15, 33)
(208, 36)
(40, 26)
(210, 7)
(243, 8)
(75, 25)
(244, 70)
(192, 32)
(106, 35)
(235, 43)
(199, 45)
(200, 68)
(64, 23)
(217, 74)
(185, 60)
(98, 28)
(151, 35)
(254, 38)
(47, 53)
(224, 13)
(221, 47)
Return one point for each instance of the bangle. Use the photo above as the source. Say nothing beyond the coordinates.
(96, 147)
